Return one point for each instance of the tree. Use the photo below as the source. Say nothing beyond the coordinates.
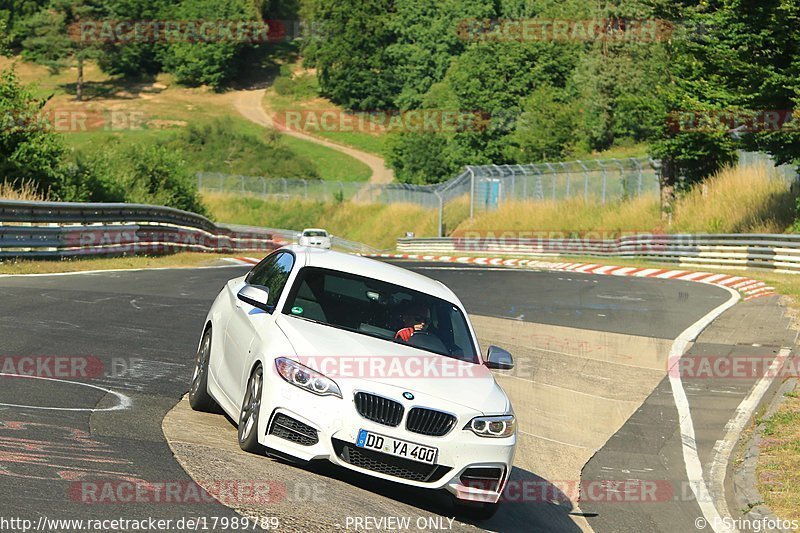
(29, 150)
(737, 57)
(348, 45)
(207, 63)
(51, 40)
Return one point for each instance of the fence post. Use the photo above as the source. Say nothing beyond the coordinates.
(471, 192)
(305, 189)
(566, 171)
(199, 181)
(605, 178)
(552, 179)
(285, 186)
(640, 177)
(585, 180)
(220, 183)
(441, 212)
(263, 187)
(622, 177)
(241, 183)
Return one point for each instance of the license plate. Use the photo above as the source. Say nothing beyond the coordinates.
(397, 447)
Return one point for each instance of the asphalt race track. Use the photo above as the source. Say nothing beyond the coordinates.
(70, 443)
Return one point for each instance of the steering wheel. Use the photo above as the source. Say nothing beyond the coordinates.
(427, 341)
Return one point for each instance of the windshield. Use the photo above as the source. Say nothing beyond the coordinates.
(315, 234)
(382, 310)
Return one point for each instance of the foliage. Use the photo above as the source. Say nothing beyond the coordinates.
(348, 45)
(138, 173)
(235, 152)
(29, 150)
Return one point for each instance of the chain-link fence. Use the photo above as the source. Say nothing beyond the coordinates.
(486, 186)
(787, 172)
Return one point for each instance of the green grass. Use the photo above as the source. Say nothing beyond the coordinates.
(331, 165)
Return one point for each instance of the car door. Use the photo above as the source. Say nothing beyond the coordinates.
(245, 320)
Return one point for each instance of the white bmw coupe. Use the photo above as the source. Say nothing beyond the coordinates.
(324, 355)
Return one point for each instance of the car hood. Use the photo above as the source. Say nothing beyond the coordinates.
(353, 358)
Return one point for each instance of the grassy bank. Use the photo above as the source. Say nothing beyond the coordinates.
(181, 260)
(778, 469)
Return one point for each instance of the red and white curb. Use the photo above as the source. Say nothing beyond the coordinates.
(751, 288)
(244, 261)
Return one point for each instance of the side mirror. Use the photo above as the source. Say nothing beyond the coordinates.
(499, 359)
(257, 296)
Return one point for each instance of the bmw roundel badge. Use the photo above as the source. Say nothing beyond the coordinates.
(408, 396)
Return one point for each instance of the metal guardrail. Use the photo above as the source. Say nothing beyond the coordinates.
(737, 251)
(54, 229)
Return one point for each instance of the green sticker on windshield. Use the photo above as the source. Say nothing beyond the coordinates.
(297, 310)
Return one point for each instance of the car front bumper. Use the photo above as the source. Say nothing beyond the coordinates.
(336, 424)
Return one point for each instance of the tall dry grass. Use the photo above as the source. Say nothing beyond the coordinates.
(573, 215)
(374, 224)
(743, 199)
(25, 190)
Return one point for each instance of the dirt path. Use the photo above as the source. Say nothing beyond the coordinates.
(249, 104)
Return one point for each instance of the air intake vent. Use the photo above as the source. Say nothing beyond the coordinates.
(293, 430)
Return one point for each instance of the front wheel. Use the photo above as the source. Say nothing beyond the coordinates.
(248, 417)
(199, 398)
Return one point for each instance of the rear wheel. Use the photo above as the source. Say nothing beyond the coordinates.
(248, 417)
(199, 398)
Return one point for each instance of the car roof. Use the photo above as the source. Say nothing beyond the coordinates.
(363, 266)
(315, 229)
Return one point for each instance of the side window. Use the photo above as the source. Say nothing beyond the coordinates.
(272, 273)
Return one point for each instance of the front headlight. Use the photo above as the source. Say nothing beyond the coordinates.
(495, 427)
(305, 378)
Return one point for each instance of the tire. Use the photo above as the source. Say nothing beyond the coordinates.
(199, 398)
(248, 415)
(476, 512)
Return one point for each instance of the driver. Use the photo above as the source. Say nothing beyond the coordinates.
(414, 319)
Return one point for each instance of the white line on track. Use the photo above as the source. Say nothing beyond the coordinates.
(124, 401)
(723, 448)
(691, 459)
